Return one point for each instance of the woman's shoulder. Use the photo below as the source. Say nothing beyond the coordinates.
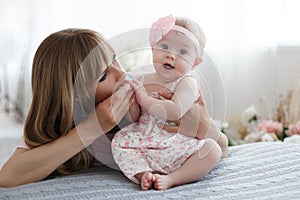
(22, 144)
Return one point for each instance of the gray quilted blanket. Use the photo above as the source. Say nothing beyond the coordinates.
(252, 171)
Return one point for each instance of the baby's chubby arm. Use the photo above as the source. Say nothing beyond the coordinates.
(182, 100)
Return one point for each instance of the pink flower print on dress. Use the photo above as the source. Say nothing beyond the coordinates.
(127, 143)
(150, 139)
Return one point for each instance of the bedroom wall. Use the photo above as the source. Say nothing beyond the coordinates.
(288, 66)
(242, 42)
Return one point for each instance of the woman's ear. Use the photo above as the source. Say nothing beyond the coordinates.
(197, 61)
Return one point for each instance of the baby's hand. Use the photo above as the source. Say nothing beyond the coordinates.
(139, 89)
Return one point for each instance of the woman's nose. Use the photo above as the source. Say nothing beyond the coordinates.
(118, 72)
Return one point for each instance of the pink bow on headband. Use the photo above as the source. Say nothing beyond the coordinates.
(160, 28)
(163, 26)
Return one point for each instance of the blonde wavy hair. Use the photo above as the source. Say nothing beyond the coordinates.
(193, 27)
(59, 62)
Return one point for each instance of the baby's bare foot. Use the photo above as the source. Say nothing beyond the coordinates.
(224, 153)
(162, 182)
(147, 180)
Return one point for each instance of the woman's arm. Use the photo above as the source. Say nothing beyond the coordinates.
(27, 166)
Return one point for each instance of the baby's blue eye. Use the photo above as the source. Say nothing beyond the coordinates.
(164, 46)
(182, 51)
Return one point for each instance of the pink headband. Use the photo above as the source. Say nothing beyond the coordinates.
(163, 26)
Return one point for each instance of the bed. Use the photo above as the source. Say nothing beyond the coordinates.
(252, 171)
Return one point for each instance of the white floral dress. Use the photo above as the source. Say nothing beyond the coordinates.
(144, 146)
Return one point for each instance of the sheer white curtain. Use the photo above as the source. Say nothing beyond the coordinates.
(241, 36)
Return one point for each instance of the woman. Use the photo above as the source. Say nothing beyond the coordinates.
(74, 74)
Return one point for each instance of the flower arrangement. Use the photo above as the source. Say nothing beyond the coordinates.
(285, 126)
(266, 130)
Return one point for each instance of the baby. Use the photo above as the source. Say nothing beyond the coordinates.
(147, 154)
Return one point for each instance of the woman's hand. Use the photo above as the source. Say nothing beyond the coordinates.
(109, 112)
(134, 111)
(191, 122)
(195, 123)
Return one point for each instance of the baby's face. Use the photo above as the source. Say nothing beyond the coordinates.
(174, 55)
